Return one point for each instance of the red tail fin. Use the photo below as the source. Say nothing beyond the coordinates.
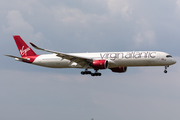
(24, 49)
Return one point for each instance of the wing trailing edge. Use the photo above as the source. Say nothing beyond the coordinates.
(72, 58)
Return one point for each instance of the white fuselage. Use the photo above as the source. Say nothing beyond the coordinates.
(137, 58)
(115, 61)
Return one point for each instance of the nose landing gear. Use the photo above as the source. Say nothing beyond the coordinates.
(165, 71)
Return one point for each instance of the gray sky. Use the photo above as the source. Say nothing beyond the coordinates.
(33, 92)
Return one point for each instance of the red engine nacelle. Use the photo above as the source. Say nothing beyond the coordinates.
(119, 69)
(100, 64)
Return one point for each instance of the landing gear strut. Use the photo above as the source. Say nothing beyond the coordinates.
(165, 71)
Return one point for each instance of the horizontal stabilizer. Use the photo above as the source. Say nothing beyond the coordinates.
(18, 58)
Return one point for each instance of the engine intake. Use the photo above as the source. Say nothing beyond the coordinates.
(100, 64)
(119, 69)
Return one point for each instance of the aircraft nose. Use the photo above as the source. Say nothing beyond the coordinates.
(173, 61)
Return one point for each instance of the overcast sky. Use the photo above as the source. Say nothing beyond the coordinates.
(29, 92)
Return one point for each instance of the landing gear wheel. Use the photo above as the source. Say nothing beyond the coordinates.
(88, 72)
(95, 74)
(98, 74)
(82, 72)
(85, 72)
(92, 74)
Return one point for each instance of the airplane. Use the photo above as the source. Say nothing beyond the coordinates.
(115, 61)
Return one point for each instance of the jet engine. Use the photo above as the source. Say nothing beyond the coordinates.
(119, 69)
(99, 64)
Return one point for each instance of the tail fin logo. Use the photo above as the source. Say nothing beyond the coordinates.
(24, 51)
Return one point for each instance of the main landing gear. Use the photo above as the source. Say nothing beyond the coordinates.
(165, 71)
(86, 72)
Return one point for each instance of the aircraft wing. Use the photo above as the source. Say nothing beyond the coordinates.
(83, 61)
(18, 58)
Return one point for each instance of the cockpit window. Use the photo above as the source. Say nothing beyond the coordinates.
(168, 56)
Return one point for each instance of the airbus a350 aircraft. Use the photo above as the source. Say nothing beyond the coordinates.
(116, 61)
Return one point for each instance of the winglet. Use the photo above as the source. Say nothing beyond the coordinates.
(36, 46)
(33, 44)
